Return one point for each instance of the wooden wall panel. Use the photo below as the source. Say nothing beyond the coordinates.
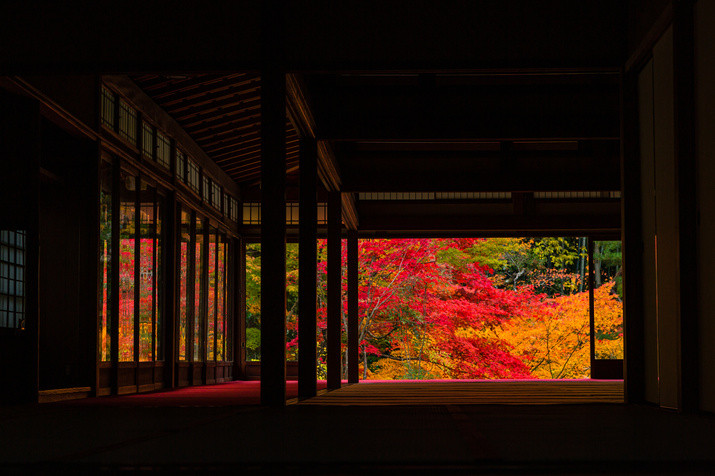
(705, 159)
(645, 113)
(666, 222)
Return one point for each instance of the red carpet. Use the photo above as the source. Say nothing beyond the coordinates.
(219, 395)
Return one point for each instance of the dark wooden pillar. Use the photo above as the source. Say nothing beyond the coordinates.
(307, 270)
(591, 308)
(334, 361)
(684, 102)
(20, 134)
(171, 235)
(273, 218)
(631, 239)
(353, 321)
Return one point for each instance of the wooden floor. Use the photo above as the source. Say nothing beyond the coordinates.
(489, 392)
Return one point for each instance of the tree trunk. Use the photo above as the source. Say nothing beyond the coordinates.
(596, 266)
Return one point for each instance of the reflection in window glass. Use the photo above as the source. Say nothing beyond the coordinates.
(127, 247)
(158, 285)
(185, 242)
(211, 295)
(105, 257)
(608, 300)
(220, 299)
(198, 294)
(146, 273)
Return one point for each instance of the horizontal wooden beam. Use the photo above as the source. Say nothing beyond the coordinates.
(505, 171)
(345, 36)
(427, 111)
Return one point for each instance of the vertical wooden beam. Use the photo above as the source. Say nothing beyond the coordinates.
(353, 321)
(334, 290)
(631, 239)
(91, 190)
(273, 218)
(591, 308)
(20, 138)
(684, 101)
(172, 224)
(307, 270)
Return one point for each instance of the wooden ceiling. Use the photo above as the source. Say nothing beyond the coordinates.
(222, 114)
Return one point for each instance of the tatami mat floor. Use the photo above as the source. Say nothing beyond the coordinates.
(514, 392)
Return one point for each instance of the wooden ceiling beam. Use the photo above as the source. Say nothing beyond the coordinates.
(194, 83)
(199, 114)
(221, 120)
(215, 100)
(211, 89)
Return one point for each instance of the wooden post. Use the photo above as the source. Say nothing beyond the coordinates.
(307, 270)
(172, 214)
(631, 233)
(20, 135)
(684, 102)
(353, 321)
(334, 290)
(273, 218)
(591, 308)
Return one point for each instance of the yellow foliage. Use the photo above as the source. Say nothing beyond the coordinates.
(556, 344)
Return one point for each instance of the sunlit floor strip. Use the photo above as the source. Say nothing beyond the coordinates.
(488, 392)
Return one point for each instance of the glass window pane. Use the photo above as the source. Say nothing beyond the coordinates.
(127, 250)
(199, 296)
(163, 150)
(158, 284)
(220, 299)
(185, 242)
(210, 341)
(146, 272)
(108, 105)
(127, 122)
(180, 165)
(105, 259)
(193, 175)
(148, 140)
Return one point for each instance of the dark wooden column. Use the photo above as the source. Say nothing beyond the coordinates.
(631, 239)
(307, 270)
(591, 308)
(353, 321)
(171, 238)
(20, 136)
(684, 101)
(273, 218)
(334, 290)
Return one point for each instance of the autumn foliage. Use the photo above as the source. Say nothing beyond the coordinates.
(499, 308)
